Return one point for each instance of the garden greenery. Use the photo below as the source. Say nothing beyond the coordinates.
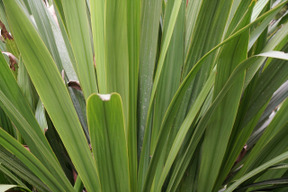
(143, 95)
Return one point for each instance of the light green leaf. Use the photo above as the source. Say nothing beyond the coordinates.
(108, 140)
(275, 55)
(259, 6)
(176, 101)
(192, 13)
(221, 123)
(42, 20)
(78, 32)
(40, 116)
(53, 93)
(22, 117)
(171, 74)
(183, 130)
(133, 33)
(4, 188)
(98, 31)
(165, 45)
(150, 18)
(116, 30)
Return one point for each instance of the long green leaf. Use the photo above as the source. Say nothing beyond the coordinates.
(30, 161)
(110, 34)
(53, 93)
(221, 123)
(208, 31)
(259, 169)
(116, 28)
(78, 31)
(108, 140)
(6, 171)
(41, 17)
(176, 101)
(170, 77)
(13, 164)
(133, 33)
(21, 114)
(166, 42)
(271, 140)
(5, 122)
(189, 119)
(116, 51)
(98, 31)
(192, 13)
(150, 17)
(171, 73)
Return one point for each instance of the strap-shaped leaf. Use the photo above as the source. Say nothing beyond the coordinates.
(272, 142)
(133, 33)
(221, 122)
(12, 176)
(44, 27)
(23, 118)
(150, 16)
(259, 169)
(165, 45)
(108, 140)
(116, 30)
(77, 24)
(189, 119)
(177, 99)
(18, 169)
(30, 161)
(53, 93)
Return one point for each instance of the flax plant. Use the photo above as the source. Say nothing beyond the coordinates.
(143, 95)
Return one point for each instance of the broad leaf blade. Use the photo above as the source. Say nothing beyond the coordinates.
(108, 140)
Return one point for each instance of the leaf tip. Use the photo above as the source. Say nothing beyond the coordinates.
(105, 97)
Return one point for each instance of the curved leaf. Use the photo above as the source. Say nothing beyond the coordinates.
(53, 93)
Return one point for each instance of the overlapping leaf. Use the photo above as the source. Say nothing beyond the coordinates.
(53, 93)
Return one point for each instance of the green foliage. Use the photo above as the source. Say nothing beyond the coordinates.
(143, 95)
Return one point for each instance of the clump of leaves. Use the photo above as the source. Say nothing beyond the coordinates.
(143, 95)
